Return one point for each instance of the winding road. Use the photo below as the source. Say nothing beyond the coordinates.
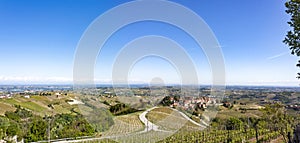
(148, 127)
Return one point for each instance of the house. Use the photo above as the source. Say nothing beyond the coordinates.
(5, 96)
(74, 102)
(57, 94)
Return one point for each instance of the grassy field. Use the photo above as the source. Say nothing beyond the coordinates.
(225, 113)
(23, 103)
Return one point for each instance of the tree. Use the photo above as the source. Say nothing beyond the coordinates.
(19, 114)
(12, 116)
(121, 109)
(234, 124)
(166, 101)
(4, 124)
(100, 119)
(292, 38)
(37, 130)
(13, 129)
(69, 126)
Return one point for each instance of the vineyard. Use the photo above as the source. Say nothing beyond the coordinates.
(219, 136)
(40, 105)
(125, 124)
(167, 119)
(188, 135)
(189, 132)
(169, 125)
(128, 128)
(176, 129)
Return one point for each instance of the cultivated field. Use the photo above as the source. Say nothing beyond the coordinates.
(40, 105)
(125, 124)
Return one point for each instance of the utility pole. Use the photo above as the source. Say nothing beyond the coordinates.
(49, 127)
(49, 124)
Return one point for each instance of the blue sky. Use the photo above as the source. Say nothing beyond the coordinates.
(38, 41)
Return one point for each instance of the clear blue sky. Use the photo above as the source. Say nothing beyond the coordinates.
(38, 40)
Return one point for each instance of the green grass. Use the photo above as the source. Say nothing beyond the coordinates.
(10, 101)
(41, 99)
(33, 106)
(225, 113)
(8, 105)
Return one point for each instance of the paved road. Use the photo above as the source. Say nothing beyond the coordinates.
(149, 125)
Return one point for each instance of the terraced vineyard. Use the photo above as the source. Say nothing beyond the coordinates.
(168, 119)
(158, 114)
(124, 125)
(40, 105)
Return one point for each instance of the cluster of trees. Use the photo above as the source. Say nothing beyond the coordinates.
(169, 100)
(100, 119)
(23, 124)
(292, 38)
(122, 109)
(32, 127)
(68, 125)
(45, 94)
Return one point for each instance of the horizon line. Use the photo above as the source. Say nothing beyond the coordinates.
(144, 84)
